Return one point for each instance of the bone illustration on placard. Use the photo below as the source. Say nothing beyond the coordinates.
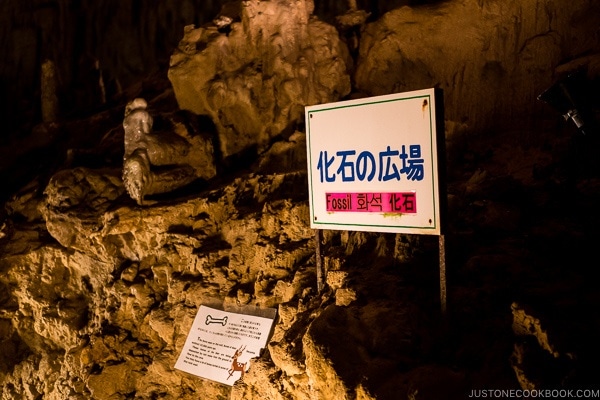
(211, 320)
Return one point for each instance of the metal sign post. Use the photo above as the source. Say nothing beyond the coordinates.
(319, 261)
(442, 242)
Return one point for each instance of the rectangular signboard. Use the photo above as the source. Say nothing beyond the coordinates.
(373, 163)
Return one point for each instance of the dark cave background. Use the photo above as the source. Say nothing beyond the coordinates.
(102, 52)
(120, 42)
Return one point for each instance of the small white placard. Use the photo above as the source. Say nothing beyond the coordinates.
(221, 344)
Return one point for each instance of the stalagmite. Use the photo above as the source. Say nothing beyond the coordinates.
(181, 156)
(49, 88)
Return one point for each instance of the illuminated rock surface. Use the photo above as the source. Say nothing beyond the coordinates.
(160, 161)
(491, 59)
(255, 80)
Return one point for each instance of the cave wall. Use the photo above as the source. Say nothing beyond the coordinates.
(118, 41)
(98, 293)
(491, 59)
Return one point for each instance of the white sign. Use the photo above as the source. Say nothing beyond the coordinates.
(220, 344)
(373, 164)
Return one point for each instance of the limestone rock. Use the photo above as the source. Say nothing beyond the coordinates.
(340, 374)
(121, 285)
(344, 297)
(255, 80)
(337, 279)
(49, 92)
(114, 380)
(535, 346)
(492, 59)
(259, 376)
(163, 160)
(285, 155)
(525, 324)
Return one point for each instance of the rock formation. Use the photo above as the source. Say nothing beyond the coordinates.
(492, 59)
(255, 80)
(159, 162)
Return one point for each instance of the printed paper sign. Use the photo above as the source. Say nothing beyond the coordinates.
(221, 344)
(372, 202)
(373, 164)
